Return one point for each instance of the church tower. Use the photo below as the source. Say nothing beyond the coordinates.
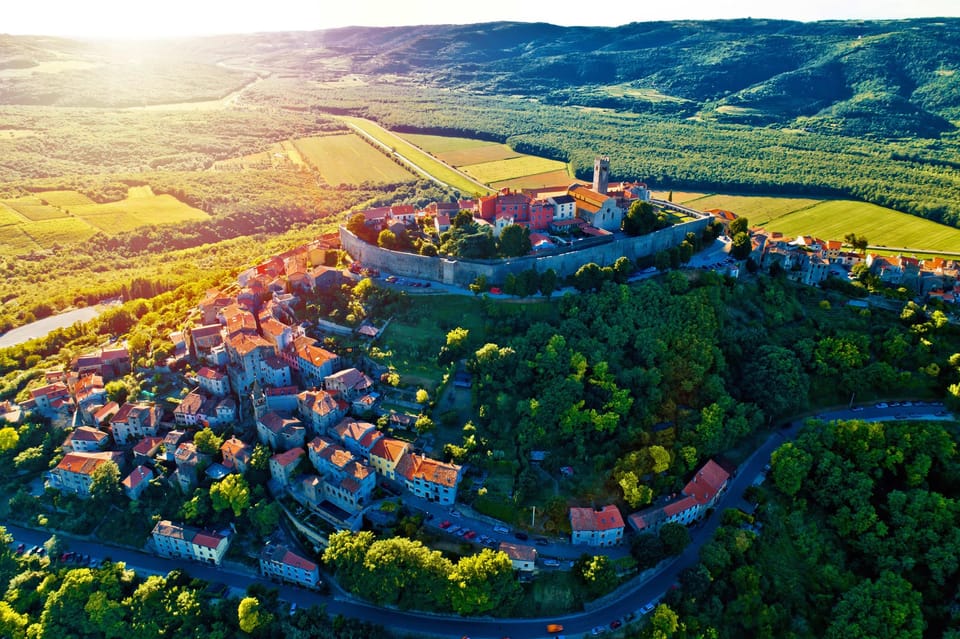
(259, 398)
(601, 174)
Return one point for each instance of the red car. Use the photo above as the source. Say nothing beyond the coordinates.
(470, 535)
(445, 524)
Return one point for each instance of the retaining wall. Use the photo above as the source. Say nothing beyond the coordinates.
(459, 272)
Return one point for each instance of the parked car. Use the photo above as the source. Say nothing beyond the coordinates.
(552, 563)
(445, 524)
(598, 630)
(616, 623)
(554, 628)
(21, 548)
(522, 536)
(543, 541)
(469, 535)
(501, 529)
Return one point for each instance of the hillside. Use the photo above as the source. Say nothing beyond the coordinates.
(880, 78)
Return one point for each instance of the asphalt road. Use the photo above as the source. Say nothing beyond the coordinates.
(629, 598)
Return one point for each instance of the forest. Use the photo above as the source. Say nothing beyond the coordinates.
(857, 537)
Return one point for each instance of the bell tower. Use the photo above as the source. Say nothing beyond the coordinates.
(601, 174)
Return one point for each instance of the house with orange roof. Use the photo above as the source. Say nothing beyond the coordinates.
(522, 557)
(700, 494)
(52, 398)
(597, 209)
(87, 440)
(279, 563)
(136, 482)
(135, 420)
(430, 479)
(358, 437)
(236, 454)
(280, 433)
(313, 361)
(386, 453)
(74, 473)
(247, 354)
(186, 542)
(320, 409)
(596, 527)
(146, 449)
(284, 465)
(213, 381)
(350, 383)
(346, 481)
(203, 339)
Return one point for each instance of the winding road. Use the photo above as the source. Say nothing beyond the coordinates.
(629, 598)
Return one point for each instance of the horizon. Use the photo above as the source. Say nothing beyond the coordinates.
(111, 19)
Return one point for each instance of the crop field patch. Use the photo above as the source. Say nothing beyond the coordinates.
(9, 216)
(13, 241)
(479, 155)
(64, 199)
(490, 172)
(537, 181)
(439, 144)
(679, 197)
(67, 230)
(34, 209)
(347, 159)
(833, 219)
(142, 209)
(757, 209)
(115, 222)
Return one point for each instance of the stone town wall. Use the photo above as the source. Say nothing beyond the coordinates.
(565, 261)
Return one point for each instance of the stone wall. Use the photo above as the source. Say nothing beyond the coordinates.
(603, 251)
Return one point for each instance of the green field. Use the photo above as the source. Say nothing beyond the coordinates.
(347, 159)
(28, 224)
(480, 154)
(831, 219)
(438, 144)
(429, 164)
(500, 170)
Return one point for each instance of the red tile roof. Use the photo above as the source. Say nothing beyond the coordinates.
(208, 539)
(413, 467)
(389, 449)
(707, 482)
(139, 474)
(146, 445)
(607, 518)
(289, 457)
(210, 373)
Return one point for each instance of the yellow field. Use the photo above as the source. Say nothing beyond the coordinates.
(438, 144)
(9, 216)
(64, 199)
(290, 149)
(346, 159)
(479, 155)
(759, 210)
(28, 224)
(490, 172)
(540, 180)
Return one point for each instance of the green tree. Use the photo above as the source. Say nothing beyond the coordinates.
(739, 225)
(105, 482)
(789, 466)
(117, 391)
(388, 240)
(207, 441)
(250, 615)
(548, 282)
(264, 516)
(664, 622)
(888, 608)
(231, 492)
(8, 439)
(674, 537)
(598, 574)
(515, 241)
(741, 246)
(775, 380)
(424, 424)
(423, 397)
(482, 583)
(647, 549)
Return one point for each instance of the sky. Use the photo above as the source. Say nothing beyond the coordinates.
(173, 18)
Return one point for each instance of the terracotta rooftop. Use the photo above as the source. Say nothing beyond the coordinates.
(134, 479)
(413, 467)
(389, 448)
(280, 554)
(607, 518)
(289, 457)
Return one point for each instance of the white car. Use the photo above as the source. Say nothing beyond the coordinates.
(598, 630)
(501, 529)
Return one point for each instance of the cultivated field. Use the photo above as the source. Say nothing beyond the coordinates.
(540, 180)
(478, 155)
(347, 159)
(63, 217)
(438, 144)
(414, 154)
(830, 219)
(498, 171)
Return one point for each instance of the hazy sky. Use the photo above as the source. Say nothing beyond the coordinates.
(133, 18)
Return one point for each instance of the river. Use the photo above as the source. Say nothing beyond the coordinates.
(42, 327)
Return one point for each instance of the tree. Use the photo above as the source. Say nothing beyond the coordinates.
(388, 239)
(664, 622)
(739, 225)
(251, 617)
(774, 378)
(231, 492)
(674, 537)
(515, 241)
(479, 285)
(207, 441)
(422, 396)
(264, 516)
(634, 493)
(647, 549)
(424, 424)
(548, 282)
(482, 583)
(598, 574)
(741, 246)
(117, 391)
(588, 277)
(105, 482)
(887, 608)
(8, 438)
(789, 465)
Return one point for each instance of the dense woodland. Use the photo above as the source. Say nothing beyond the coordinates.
(856, 538)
